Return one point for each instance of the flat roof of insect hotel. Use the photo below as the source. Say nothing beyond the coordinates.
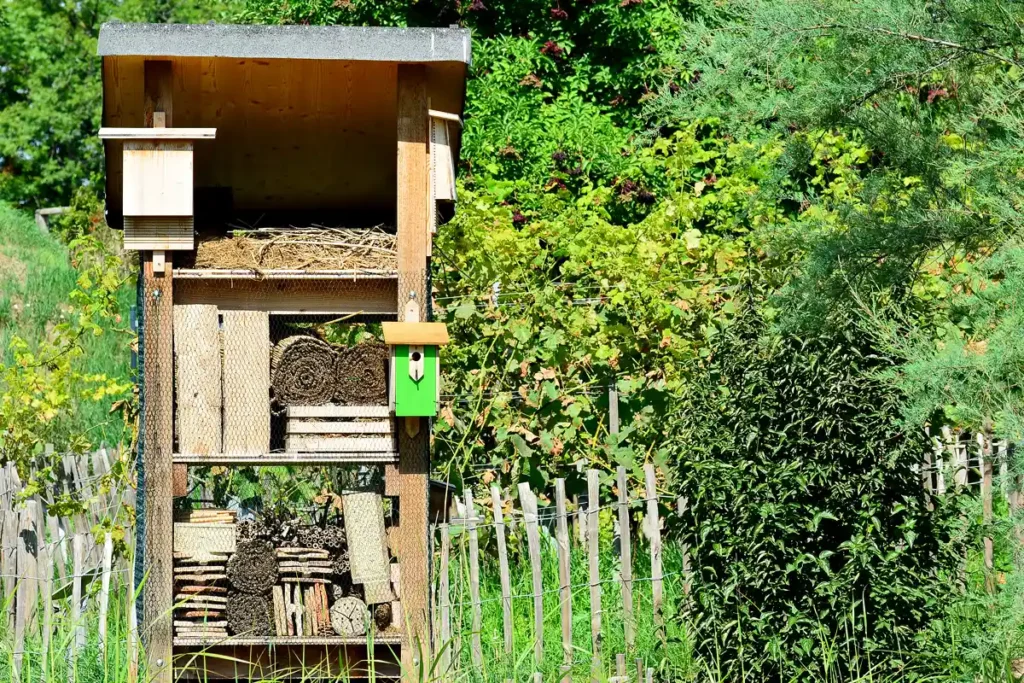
(305, 116)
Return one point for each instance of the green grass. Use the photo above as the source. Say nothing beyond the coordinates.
(36, 277)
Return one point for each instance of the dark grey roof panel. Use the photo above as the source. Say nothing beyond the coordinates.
(348, 43)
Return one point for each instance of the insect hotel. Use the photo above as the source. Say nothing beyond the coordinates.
(281, 185)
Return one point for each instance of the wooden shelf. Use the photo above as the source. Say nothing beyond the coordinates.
(279, 274)
(231, 641)
(287, 458)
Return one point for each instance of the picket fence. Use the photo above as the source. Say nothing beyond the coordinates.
(46, 558)
(583, 521)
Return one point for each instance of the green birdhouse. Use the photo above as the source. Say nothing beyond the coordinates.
(415, 368)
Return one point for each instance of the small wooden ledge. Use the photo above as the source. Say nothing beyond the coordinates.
(244, 274)
(415, 334)
(158, 133)
(287, 458)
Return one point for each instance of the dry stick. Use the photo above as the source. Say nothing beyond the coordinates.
(626, 559)
(108, 556)
(593, 502)
(506, 580)
(926, 480)
(564, 580)
(474, 580)
(985, 454)
(654, 534)
(529, 503)
(446, 602)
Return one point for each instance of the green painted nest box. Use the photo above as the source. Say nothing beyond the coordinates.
(415, 370)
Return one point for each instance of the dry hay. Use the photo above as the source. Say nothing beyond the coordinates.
(253, 567)
(382, 615)
(250, 615)
(303, 371)
(312, 248)
(361, 375)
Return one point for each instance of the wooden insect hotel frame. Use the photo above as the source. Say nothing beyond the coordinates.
(214, 131)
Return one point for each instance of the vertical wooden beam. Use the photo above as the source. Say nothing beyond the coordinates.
(985, 456)
(529, 503)
(506, 579)
(564, 580)
(412, 229)
(653, 530)
(474, 580)
(593, 554)
(626, 559)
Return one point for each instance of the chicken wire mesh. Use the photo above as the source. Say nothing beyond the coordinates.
(279, 366)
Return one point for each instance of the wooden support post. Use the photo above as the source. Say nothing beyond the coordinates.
(564, 579)
(626, 559)
(474, 581)
(506, 579)
(593, 556)
(28, 577)
(77, 624)
(529, 503)
(158, 393)
(133, 628)
(653, 530)
(412, 228)
(46, 588)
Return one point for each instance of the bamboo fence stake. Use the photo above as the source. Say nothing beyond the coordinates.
(474, 580)
(446, 602)
(650, 675)
(506, 579)
(626, 560)
(529, 503)
(654, 534)
(108, 556)
(564, 579)
(46, 560)
(78, 560)
(593, 502)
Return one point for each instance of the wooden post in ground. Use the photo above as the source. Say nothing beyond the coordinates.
(445, 602)
(158, 394)
(564, 580)
(593, 557)
(46, 588)
(985, 455)
(529, 503)
(77, 641)
(474, 580)
(28, 581)
(506, 579)
(108, 555)
(626, 559)
(9, 562)
(652, 525)
(413, 233)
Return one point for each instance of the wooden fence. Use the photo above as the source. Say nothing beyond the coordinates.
(53, 565)
(561, 526)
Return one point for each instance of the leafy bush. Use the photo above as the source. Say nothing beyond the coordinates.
(808, 524)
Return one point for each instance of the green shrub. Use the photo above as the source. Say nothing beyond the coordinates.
(808, 522)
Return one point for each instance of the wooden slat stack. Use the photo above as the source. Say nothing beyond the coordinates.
(366, 430)
(300, 602)
(200, 582)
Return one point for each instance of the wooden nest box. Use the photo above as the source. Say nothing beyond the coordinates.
(209, 127)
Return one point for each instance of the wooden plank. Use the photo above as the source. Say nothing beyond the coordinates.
(77, 642)
(476, 649)
(335, 427)
(506, 579)
(985, 455)
(282, 458)
(445, 601)
(108, 556)
(340, 444)
(564, 579)
(413, 439)
(593, 556)
(417, 333)
(46, 588)
(158, 388)
(529, 503)
(197, 371)
(179, 480)
(653, 530)
(331, 411)
(295, 297)
(28, 586)
(246, 339)
(626, 559)
(157, 179)
(133, 627)
(112, 133)
(9, 562)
